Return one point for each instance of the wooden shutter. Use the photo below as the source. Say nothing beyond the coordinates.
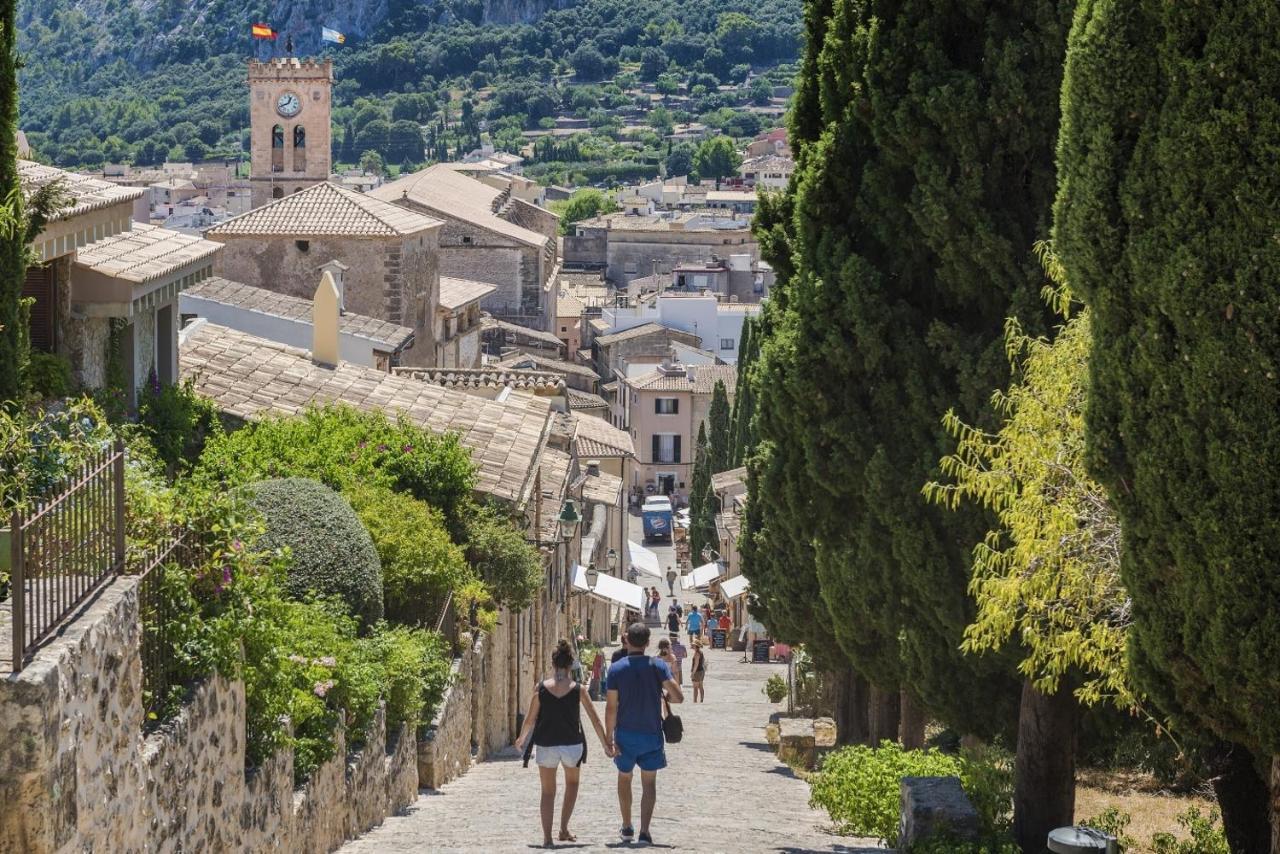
(675, 410)
(657, 406)
(656, 445)
(39, 286)
(675, 440)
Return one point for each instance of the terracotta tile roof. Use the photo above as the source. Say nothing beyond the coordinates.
(584, 399)
(86, 192)
(646, 329)
(562, 427)
(603, 487)
(703, 379)
(518, 330)
(224, 291)
(729, 479)
(445, 189)
(455, 293)
(326, 210)
(557, 366)
(555, 482)
(476, 378)
(250, 377)
(145, 253)
(594, 437)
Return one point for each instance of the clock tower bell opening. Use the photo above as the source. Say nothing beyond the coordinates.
(290, 101)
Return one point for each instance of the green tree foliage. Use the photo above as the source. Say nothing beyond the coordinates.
(583, 204)
(702, 501)
(1049, 574)
(680, 160)
(343, 448)
(741, 422)
(509, 566)
(718, 441)
(717, 158)
(1165, 224)
(421, 565)
(905, 246)
(330, 553)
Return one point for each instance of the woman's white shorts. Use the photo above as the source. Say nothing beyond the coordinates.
(568, 755)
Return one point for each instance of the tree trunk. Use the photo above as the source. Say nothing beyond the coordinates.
(849, 694)
(1044, 795)
(911, 729)
(1243, 798)
(882, 715)
(1275, 804)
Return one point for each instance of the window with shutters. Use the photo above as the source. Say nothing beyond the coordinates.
(666, 406)
(38, 286)
(666, 448)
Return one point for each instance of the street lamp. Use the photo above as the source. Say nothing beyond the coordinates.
(593, 575)
(569, 520)
(612, 559)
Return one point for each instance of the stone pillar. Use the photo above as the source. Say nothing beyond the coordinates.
(936, 808)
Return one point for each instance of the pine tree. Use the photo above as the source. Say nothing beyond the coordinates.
(1165, 222)
(718, 435)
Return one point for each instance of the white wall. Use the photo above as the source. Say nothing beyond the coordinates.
(295, 333)
(703, 316)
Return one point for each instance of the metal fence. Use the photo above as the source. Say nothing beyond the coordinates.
(186, 547)
(64, 549)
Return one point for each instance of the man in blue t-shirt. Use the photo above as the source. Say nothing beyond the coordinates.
(694, 623)
(633, 720)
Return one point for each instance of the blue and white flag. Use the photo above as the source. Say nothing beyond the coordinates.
(332, 35)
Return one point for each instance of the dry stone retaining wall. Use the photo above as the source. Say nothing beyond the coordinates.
(76, 773)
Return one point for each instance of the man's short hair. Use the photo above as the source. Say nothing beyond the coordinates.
(638, 635)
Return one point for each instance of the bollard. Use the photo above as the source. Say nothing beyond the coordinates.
(1082, 840)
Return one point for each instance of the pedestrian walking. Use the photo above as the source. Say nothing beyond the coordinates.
(655, 600)
(665, 653)
(694, 624)
(671, 581)
(680, 651)
(633, 725)
(633, 574)
(673, 620)
(698, 672)
(554, 727)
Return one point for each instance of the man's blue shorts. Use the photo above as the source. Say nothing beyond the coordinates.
(638, 748)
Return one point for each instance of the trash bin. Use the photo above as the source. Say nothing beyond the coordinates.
(1082, 840)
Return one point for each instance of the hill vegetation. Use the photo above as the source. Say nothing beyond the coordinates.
(142, 83)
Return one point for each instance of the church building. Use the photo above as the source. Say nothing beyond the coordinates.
(290, 101)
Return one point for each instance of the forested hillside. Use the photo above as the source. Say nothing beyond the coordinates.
(109, 80)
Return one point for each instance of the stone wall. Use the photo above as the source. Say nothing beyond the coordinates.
(76, 773)
(586, 249)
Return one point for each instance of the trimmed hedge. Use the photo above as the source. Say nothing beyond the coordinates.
(331, 552)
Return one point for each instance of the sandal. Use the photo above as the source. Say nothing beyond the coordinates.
(566, 836)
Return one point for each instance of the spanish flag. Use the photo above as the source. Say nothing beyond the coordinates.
(262, 31)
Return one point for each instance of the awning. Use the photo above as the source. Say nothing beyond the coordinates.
(735, 586)
(610, 589)
(643, 559)
(701, 576)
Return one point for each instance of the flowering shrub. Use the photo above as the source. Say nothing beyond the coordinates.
(38, 448)
(176, 420)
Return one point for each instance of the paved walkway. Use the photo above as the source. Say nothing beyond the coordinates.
(723, 790)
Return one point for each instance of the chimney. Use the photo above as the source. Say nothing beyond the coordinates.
(324, 322)
(338, 270)
(593, 468)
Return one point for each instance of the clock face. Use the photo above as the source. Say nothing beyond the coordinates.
(289, 104)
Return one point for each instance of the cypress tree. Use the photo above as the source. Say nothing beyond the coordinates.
(13, 245)
(718, 435)
(742, 438)
(701, 501)
(1165, 221)
(915, 209)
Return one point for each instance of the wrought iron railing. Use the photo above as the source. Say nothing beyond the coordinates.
(184, 548)
(64, 549)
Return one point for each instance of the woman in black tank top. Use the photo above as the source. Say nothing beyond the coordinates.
(554, 726)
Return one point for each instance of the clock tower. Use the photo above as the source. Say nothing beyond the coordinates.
(290, 135)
